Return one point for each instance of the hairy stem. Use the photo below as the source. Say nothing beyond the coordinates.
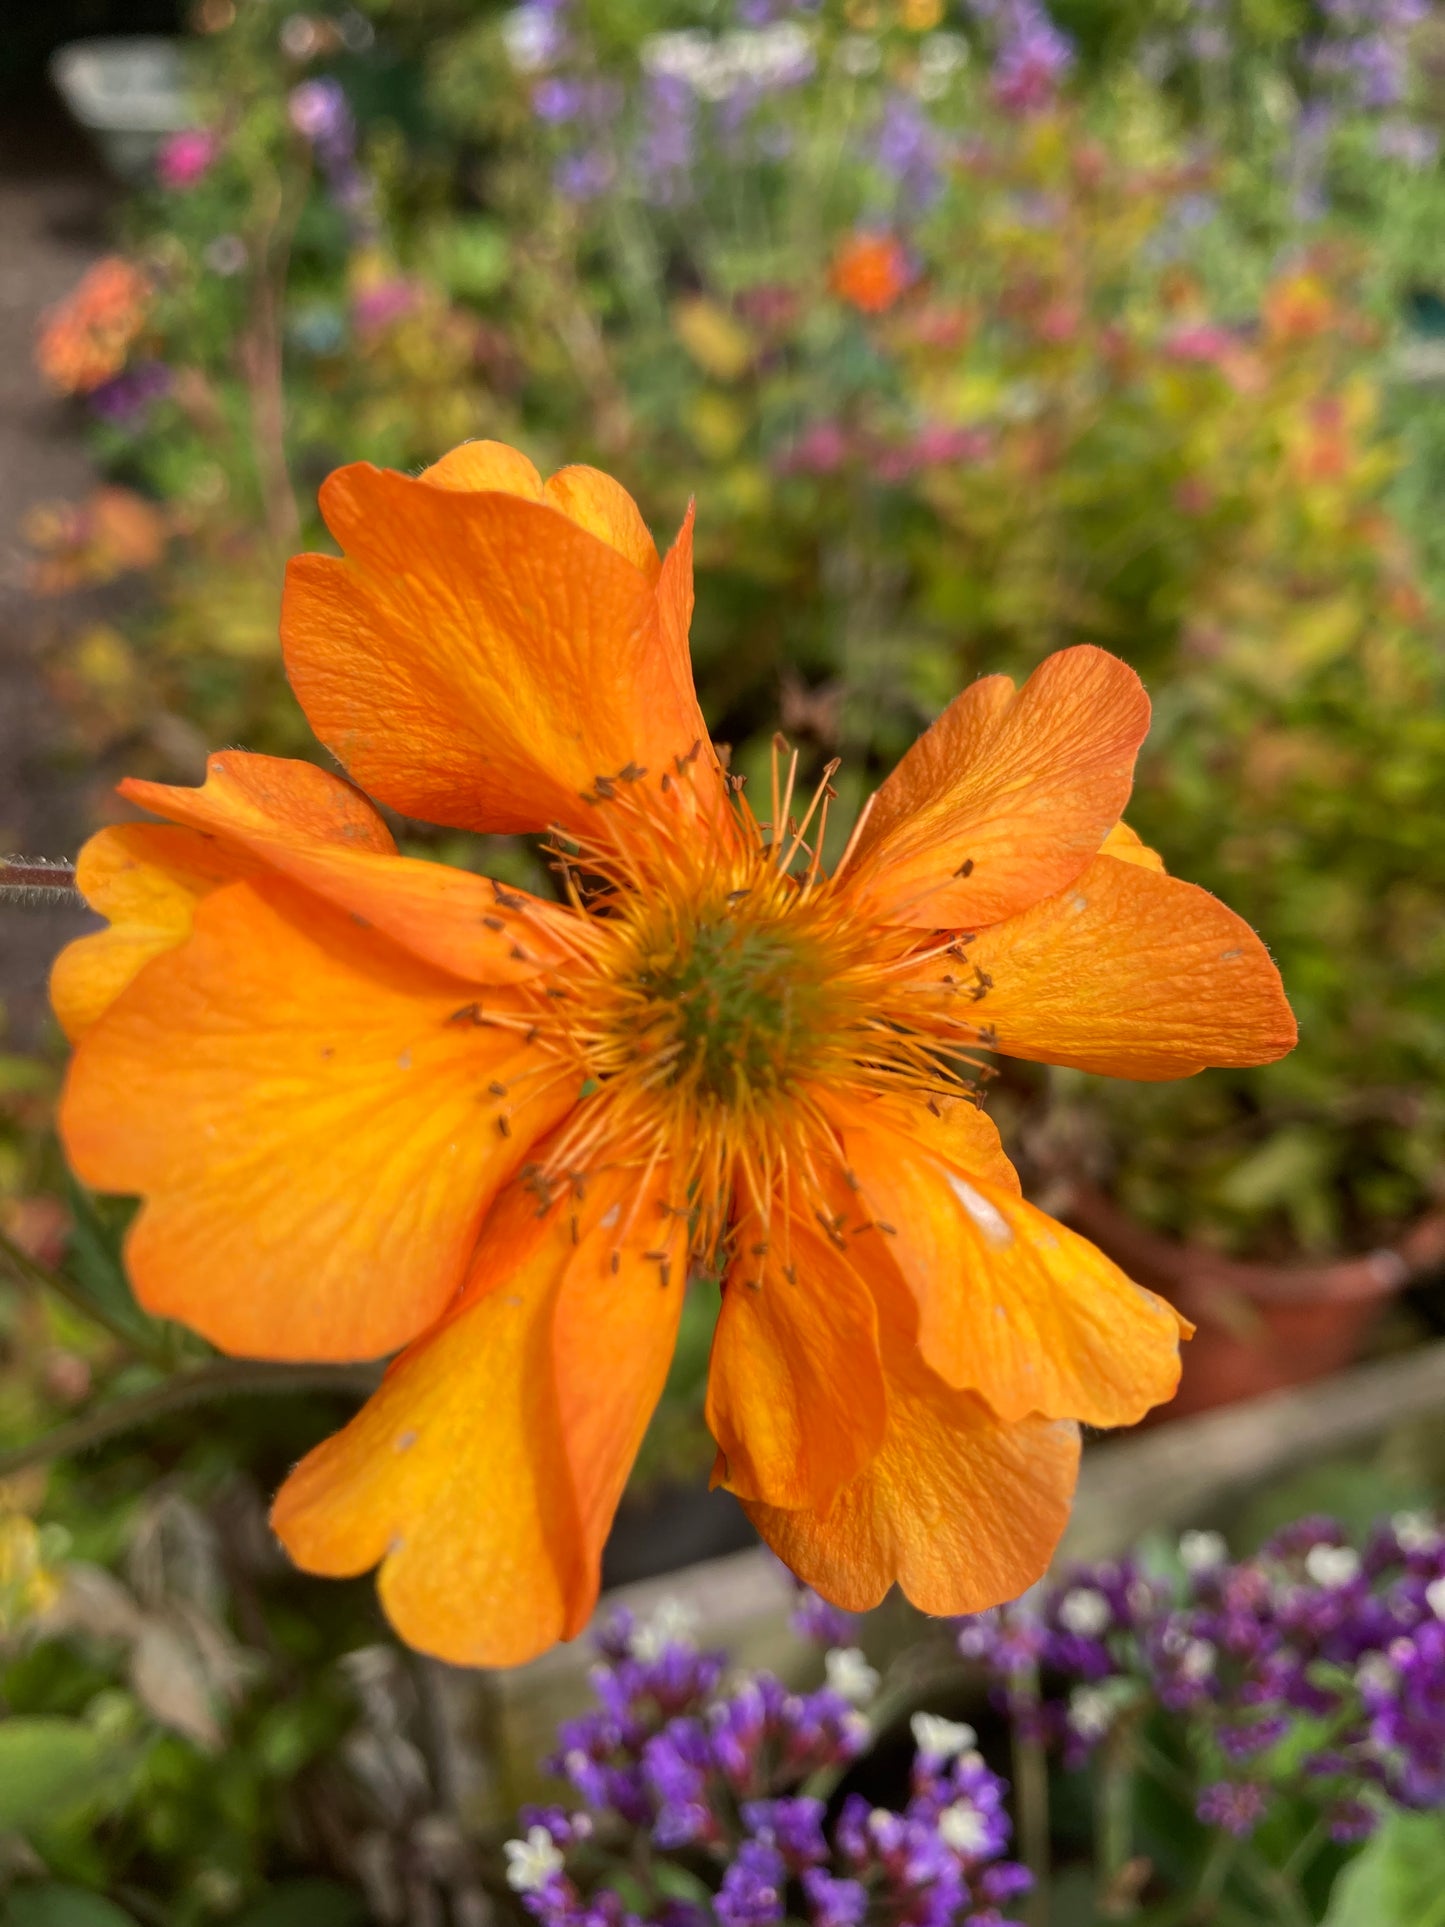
(228, 1378)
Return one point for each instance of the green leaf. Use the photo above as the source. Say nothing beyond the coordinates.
(306, 1903)
(1398, 1880)
(93, 1263)
(56, 1905)
(46, 1763)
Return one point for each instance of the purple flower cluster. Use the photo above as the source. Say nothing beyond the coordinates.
(679, 1768)
(1031, 56)
(1365, 51)
(1309, 1629)
(321, 114)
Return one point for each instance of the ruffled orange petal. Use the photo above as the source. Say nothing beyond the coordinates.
(1134, 974)
(1012, 1305)
(1006, 798)
(795, 1390)
(485, 1472)
(147, 878)
(1130, 847)
(315, 1127)
(481, 658)
(312, 827)
(960, 1511)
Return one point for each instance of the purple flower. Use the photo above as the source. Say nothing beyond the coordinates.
(794, 1827)
(1237, 1806)
(128, 396)
(1032, 57)
(908, 147)
(813, 1618)
(833, 1902)
(751, 1894)
(585, 175)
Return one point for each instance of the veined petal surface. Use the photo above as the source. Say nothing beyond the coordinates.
(795, 1393)
(480, 658)
(959, 1510)
(1012, 1305)
(484, 1473)
(315, 1128)
(307, 825)
(1006, 798)
(1134, 974)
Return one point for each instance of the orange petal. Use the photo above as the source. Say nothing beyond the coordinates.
(954, 1127)
(1129, 847)
(1135, 974)
(485, 1471)
(1012, 1305)
(960, 1511)
(596, 503)
(795, 1391)
(313, 1132)
(317, 830)
(147, 878)
(1017, 789)
(481, 659)
(486, 465)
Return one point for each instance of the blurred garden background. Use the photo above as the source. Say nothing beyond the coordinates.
(976, 328)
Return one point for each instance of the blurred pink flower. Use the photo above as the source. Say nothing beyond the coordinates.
(186, 158)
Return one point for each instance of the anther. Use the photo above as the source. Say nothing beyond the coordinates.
(615, 1263)
(504, 1125)
(468, 1014)
(497, 1090)
(576, 1229)
(519, 955)
(633, 773)
(494, 923)
(965, 869)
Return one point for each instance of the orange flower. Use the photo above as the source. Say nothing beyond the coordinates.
(870, 272)
(85, 339)
(371, 1102)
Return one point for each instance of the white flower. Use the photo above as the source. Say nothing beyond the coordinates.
(1415, 1531)
(1085, 1611)
(859, 54)
(963, 1828)
(1091, 1711)
(1202, 1551)
(531, 37)
(532, 1862)
(850, 1675)
(716, 67)
(1435, 1597)
(1375, 1673)
(1332, 1566)
(940, 55)
(941, 1739)
(1197, 1659)
(672, 1624)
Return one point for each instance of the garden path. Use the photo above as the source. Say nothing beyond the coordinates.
(53, 202)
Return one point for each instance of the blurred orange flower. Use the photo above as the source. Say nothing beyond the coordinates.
(81, 544)
(870, 272)
(371, 1102)
(84, 339)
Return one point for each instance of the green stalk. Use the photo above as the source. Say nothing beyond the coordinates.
(229, 1378)
(1031, 1802)
(30, 1271)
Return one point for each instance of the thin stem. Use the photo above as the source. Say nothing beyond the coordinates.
(34, 882)
(1114, 1815)
(31, 1271)
(230, 1378)
(1215, 1871)
(1031, 1801)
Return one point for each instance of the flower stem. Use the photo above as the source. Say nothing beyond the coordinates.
(1031, 1798)
(32, 883)
(30, 1271)
(228, 1378)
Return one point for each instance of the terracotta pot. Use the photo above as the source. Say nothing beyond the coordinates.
(1258, 1328)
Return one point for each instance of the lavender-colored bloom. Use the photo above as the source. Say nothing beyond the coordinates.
(1409, 142)
(908, 147)
(833, 1902)
(752, 1890)
(585, 175)
(1237, 1806)
(668, 139)
(794, 1827)
(319, 110)
(1032, 58)
(128, 396)
(813, 1618)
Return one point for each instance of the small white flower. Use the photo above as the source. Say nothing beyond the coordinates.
(532, 1862)
(1202, 1551)
(672, 1624)
(859, 54)
(942, 53)
(850, 1675)
(1085, 1611)
(1332, 1566)
(531, 37)
(963, 1828)
(941, 1739)
(1375, 1674)
(1197, 1659)
(1435, 1597)
(1415, 1531)
(1091, 1711)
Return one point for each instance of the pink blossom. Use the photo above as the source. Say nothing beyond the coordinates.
(186, 158)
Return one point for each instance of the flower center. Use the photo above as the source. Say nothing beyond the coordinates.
(732, 1008)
